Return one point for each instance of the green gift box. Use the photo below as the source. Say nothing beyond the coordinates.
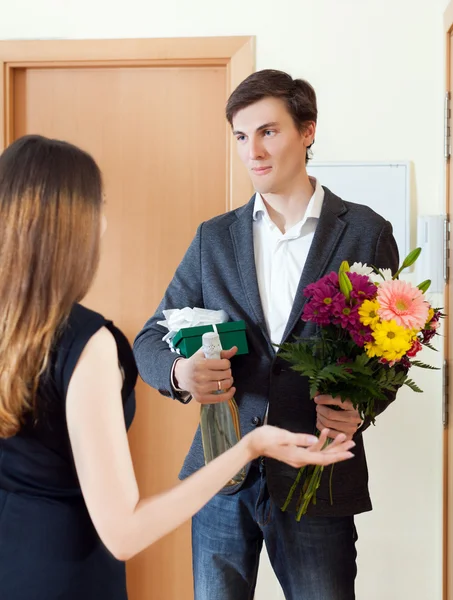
(188, 339)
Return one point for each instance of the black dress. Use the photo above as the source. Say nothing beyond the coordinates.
(49, 548)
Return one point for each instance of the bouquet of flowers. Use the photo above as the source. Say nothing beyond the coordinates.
(371, 327)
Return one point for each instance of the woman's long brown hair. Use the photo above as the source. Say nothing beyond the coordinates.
(50, 215)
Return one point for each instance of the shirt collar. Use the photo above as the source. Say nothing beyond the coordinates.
(313, 209)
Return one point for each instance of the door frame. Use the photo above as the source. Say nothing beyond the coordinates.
(447, 492)
(236, 54)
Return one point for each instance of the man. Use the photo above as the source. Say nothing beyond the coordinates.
(254, 263)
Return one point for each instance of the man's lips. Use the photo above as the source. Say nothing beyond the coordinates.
(261, 170)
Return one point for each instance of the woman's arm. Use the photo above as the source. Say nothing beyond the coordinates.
(125, 523)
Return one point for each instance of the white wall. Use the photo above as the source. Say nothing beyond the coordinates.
(377, 66)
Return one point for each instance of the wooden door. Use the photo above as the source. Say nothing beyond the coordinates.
(152, 115)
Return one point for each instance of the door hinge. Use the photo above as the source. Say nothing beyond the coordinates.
(447, 131)
(445, 391)
(446, 247)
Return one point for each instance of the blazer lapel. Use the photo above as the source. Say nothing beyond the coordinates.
(327, 235)
(242, 237)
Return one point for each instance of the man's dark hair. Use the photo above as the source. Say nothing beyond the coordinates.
(297, 94)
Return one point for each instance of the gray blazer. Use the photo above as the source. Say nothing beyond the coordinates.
(218, 272)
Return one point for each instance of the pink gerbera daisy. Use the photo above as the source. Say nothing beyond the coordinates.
(402, 302)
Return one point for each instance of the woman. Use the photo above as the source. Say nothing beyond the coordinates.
(70, 510)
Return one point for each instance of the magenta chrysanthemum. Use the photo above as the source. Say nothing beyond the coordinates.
(361, 334)
(312, 312)
(362, 287)
(324, 293)
(328, 281)
(344, 314)
(332, 279)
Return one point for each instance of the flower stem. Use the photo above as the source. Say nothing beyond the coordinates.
(293, 489)
(313, 482)
(330, 485)
(310, 494)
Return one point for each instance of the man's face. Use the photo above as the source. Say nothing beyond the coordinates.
(270, 146)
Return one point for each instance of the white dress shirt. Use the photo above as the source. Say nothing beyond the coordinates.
(280, 259)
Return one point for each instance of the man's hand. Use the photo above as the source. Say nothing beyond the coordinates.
(204, 378)
(345, 421)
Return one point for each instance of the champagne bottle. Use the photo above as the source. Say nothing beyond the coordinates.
(219, 422)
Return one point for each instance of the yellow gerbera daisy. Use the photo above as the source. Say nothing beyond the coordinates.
(372, 350)
(392, 356)
(368, 313)
(392, 339)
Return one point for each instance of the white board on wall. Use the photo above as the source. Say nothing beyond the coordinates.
(384, 187)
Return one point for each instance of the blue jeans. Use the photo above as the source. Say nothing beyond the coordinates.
(314, 559)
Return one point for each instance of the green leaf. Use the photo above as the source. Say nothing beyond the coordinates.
(314, 389)
(391, 379)
(332, 374)
(430, 346)
(413, 386)
(422, 365)
(362, 359)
